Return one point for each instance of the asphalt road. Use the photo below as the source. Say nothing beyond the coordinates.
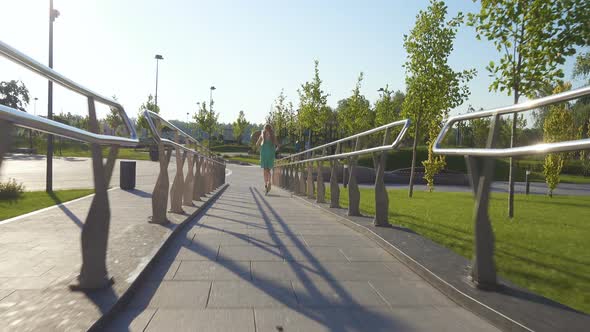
(73, 172)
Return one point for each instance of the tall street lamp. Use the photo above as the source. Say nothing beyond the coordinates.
(158, 57)
(53, 14)
(210, 115)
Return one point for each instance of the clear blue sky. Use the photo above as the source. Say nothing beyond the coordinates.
(249, 50)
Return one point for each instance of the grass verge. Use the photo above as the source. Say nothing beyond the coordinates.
(36, 200)
(246, 158)
(544, 248)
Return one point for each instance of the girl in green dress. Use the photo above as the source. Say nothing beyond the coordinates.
(269, 144)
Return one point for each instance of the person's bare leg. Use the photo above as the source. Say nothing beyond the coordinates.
(265, 178)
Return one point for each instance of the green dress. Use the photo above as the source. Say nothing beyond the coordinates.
(267, 154)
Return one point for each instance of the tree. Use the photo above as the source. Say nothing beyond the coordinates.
(114, 119)
(388, 107)
(433, 87)
(313, 110)
(278, 117)
(207, 121)
(15, 94)
(559, 126)
(240, 126)
(356, 116)
(149, 105)
(534, 38)
(582, 65)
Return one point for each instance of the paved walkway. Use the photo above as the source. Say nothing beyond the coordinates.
(273, 263)
(40, 256)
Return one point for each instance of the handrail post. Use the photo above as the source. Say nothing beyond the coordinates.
(291, 178)
(321, 194)
(95, 232)
(187, 197)
(334, 187)
(296, 185)
(177, 190)
(381, 197)
(354, 195)
(160, 193)
(310, 182)
(198, 182)
(481, 170)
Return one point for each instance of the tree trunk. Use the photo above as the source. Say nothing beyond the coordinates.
(411, 184)
(512, 173)
(31, 141)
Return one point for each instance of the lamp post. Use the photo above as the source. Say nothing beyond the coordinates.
(158, 57)
(35, 106)
(210, 115)
(53, 14)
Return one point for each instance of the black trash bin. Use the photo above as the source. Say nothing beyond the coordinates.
(127, 176)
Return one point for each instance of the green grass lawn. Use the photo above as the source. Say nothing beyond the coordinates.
(35, 200)
(252, 159)
(123, 153)
(544, 248)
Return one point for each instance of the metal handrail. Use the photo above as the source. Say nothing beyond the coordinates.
(26, 120)
(395, 144)
(33, 65)
(207, 153)
(541, 148)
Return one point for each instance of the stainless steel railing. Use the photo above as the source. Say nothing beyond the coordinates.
(297, 158)
(31, 64)
(542, 148)
(154, 129)
(209, 173)
(287, 171)
(480, 166)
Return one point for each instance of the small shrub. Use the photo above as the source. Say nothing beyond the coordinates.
(11, 189)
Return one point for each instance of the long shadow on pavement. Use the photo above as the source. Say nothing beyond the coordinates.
(275, 290)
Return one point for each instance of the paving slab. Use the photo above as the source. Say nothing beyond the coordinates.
(40, 254)
(270, 278)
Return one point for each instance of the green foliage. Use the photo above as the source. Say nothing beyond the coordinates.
(281, 117)
(435, 163)
(433, 87)
(239, 126)
(534, 38)
(14, 94)
(559, 126)
(582, 66)
(207, 121)
(313, 109)
(34, 200)
(388, 107)
(10, 189)
(114, 119)
(356, 116)
(149, 105)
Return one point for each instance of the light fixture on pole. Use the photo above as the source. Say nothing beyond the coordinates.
(35, 107)
(158, 57)
(210, 114)
(53, 14)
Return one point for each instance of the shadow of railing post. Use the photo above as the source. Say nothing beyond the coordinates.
(95, 233)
